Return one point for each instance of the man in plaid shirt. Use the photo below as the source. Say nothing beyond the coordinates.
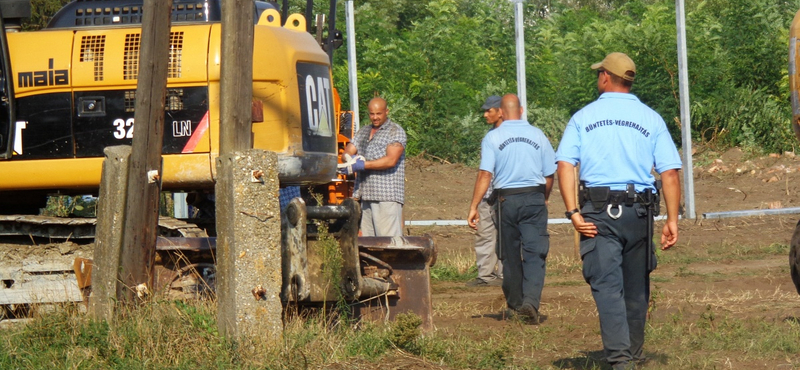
(377, 154)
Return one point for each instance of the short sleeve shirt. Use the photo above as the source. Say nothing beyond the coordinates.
(489, 191)
(618, 140)
(517, 154)
(381, 185)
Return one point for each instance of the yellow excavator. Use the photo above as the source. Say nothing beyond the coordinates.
(69, 90)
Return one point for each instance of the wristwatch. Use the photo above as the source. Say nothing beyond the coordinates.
(570, 213)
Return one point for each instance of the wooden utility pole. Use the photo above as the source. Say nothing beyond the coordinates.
(236, 75)
(144, 177)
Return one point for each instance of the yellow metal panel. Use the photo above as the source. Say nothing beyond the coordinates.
(187, 171)
(274, 133)
(31, 53)
(121, 48)
(214, 52)
(180, 171)
(275, 56)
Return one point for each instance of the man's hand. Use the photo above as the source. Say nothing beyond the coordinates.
(586, 229)
(669, 235)
(472, 218)
(352, 165)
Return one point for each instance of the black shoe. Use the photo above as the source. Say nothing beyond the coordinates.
(495, 282)
(529, 314)
(478, 282)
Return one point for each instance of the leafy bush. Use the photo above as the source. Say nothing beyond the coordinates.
(743, 117)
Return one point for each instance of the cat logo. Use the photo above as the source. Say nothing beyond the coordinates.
(316, 97)
(318, 103)
(50, 77)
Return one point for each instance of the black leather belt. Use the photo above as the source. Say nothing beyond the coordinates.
(621, 196)
(527, 189)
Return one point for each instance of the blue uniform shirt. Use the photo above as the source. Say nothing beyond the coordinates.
(518, 155)
(618, 140)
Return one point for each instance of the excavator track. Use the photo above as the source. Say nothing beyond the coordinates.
(47, 260)
(83, 228)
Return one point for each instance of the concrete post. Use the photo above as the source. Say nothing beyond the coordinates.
(249, 245)
(106, 285)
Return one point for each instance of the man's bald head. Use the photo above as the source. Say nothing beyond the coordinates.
(378, 103)
(511, 107)
(377, 111)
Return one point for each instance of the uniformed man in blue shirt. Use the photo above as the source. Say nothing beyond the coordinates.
(522, 162)
(618, 141)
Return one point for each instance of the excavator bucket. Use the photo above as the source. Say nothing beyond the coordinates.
(380, 276)
(406, 261)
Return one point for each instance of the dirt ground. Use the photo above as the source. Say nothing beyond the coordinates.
(743, 288)
(688, 285)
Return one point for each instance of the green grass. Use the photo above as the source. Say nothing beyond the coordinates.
(693, 331)
(183, 335)
(443, 272)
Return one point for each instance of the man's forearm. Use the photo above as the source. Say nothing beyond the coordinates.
(481, 186)
(548, 186)
(566, 184)
(383, 163)
(672, 193)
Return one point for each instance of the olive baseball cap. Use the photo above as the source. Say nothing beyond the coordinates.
(619, 65)
(491, 102)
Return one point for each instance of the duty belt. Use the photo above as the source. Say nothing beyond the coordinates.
(527, 189)
(603, 197)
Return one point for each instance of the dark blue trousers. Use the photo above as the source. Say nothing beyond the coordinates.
(614, 265)
(523, 243)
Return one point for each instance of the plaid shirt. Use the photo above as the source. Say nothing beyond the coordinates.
(381, 185)
(285, 195)
(489, 190)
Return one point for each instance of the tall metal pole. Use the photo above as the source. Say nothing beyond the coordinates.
(686, 127)
(351, 60)
(520, 38)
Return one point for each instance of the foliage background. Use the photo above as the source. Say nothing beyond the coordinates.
(436, 60)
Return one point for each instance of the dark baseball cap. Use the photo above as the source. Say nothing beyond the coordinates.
(491, 102)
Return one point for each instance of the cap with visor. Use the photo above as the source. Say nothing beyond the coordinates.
(618, 64)
(491, 102)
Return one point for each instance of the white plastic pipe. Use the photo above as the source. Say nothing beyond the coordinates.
(753, 212)
(552, 221)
